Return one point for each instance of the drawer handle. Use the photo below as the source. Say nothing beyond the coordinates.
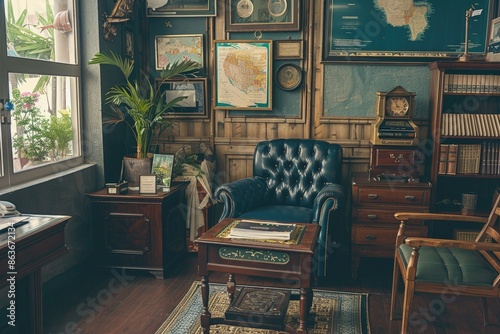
(410, 198)
(372, 217)
(372, 196)
(370, 237)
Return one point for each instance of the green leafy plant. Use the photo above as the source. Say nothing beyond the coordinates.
(31, 139)
(144, 103)
(59, 135)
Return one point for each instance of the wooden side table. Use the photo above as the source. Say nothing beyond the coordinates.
(134, 231)
(291, 260)
(374, 227)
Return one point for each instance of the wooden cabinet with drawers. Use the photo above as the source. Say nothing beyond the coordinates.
(145, 232)
(374, 228)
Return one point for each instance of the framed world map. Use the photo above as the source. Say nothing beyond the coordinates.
(404, 31)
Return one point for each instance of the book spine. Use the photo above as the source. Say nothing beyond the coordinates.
(452, 159)
(483, 158)
(443, 158)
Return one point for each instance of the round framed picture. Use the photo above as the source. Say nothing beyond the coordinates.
(289, 76)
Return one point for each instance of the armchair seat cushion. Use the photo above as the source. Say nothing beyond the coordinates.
(281, 213)
(455, 265)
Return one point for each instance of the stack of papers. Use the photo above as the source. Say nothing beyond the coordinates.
(246, 229)
(7, 222)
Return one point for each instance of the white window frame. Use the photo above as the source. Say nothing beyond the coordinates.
(38, 67)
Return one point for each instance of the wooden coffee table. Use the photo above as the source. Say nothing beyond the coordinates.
(291, 261)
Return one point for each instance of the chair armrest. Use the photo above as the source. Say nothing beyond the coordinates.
(470, 245)
(330, 198)
(405, 216)
(327, 210)
(241, 196)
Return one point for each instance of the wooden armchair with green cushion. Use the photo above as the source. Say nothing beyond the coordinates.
(470, 268)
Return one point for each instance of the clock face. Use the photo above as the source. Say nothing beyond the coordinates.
(397, 106)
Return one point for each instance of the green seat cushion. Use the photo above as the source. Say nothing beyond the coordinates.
(454, 265)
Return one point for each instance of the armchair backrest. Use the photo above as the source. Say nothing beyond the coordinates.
(296, 170)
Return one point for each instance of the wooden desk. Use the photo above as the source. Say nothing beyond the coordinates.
(134, 231)
(29, 248)
(286, 261)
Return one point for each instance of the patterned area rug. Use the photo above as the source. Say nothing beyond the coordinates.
(332, 312)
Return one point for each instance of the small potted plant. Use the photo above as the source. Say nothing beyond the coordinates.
(141, 101)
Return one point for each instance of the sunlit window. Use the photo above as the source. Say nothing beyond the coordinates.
(40, 89)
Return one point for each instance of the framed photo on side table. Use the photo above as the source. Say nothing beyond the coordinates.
(162, 169)
(147, 184)
(262, 15)
(195, 104)
(172, 48)
(243, 74)
(185, 8)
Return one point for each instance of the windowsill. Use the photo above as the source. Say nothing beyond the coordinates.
(41, 180)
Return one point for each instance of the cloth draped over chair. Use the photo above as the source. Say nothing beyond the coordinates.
(195, 218)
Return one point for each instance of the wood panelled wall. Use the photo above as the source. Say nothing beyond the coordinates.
(233, 138)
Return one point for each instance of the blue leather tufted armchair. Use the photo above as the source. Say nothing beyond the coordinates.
(295, 180)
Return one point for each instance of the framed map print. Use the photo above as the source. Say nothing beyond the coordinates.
(172, 48)
(243, 75)
(404, 31)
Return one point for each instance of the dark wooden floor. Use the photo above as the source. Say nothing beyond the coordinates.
(111, 301)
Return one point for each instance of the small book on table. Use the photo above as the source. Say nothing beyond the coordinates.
(248, 229)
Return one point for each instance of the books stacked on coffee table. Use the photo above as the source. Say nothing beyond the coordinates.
(251, 229)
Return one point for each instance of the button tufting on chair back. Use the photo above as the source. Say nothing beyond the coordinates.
(295, 170)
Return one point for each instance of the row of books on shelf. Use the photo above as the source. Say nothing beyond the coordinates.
(472, 159)
(473, 125)
(471, 83)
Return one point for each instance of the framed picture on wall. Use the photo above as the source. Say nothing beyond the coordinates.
(185, 8)
(128, 43)
(288, 49)
(262, 15)
(243, 74)
(394, 32)
(194, 91)
(494, 41)
(172, 48)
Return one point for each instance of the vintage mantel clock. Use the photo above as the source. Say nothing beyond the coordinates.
(394, 136)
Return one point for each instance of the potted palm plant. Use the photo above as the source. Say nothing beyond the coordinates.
(140, 100)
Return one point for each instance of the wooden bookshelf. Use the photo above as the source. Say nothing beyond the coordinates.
(465, 113)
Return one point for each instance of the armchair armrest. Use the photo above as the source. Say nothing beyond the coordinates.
(328, 204)
(469, 245)
(241, 196)
(330, 198)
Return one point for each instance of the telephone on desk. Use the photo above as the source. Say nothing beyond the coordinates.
(10, 217)
(8, 209)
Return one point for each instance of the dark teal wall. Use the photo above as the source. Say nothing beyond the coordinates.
(349, 90)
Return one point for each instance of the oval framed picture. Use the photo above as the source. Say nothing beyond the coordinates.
(289, 76)
(277, 7)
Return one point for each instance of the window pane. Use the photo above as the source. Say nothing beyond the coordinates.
(43, 121)
(41, 30)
